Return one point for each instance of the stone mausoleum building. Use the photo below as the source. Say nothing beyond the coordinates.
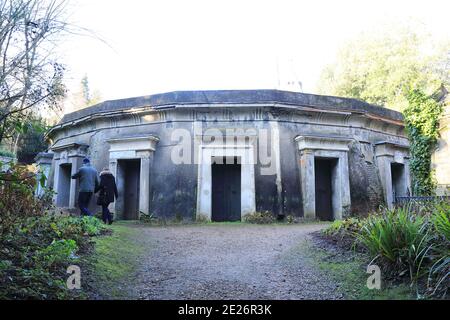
(221, 155)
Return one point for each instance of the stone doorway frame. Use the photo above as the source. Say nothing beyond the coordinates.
(328, 147)
(207, 150)
(386, 154)
(143, 148)
(73, 154)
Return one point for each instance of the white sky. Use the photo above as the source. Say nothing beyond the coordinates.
(166, 45)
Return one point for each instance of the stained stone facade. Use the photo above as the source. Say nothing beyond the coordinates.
(440, 159)
(215, 154)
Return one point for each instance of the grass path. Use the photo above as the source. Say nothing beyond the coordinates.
(115, 261)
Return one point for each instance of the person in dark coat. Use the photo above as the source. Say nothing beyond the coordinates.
(88, 178)
(108, 192)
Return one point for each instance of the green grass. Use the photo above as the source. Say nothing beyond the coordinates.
(115, 260)
(350, 273)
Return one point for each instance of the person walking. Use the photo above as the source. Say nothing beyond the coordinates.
(108, 192)
(88, 178)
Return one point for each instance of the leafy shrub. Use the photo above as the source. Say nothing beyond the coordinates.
(35, 254)
(398, 237)
(263, 217)
(17, 199)
(344, 228)
(406, 240)
(35, 246)
(440, 219)
(438, 278)
(58, 252)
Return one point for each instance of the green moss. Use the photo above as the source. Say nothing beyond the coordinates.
(350, 273)
(115, 260)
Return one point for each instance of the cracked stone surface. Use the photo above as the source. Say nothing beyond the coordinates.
(229, 261)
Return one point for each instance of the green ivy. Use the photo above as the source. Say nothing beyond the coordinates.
(422, 125)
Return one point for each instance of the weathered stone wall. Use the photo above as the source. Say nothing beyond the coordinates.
(440, 160)
(173, 188)
(365, 186)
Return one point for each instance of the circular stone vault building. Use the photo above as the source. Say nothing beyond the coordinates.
(221, 155)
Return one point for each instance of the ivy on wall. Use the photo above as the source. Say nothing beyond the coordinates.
(422, 125)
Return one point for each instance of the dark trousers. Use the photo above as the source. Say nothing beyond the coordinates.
(106, 215)
(83, 203)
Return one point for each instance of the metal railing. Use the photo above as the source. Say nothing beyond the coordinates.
(404, 200)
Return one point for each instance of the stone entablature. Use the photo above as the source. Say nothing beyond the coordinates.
(221, 98)
(232, 112)
(322, 143)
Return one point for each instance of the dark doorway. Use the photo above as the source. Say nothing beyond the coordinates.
(226, 189)
(398, 180)
(64, 178)
(130, 173)
(323, 174)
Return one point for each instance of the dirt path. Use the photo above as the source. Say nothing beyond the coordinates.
(229, 261)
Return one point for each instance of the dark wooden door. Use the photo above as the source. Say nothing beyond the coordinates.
(324, 209)
(131, 197)
(226, 192)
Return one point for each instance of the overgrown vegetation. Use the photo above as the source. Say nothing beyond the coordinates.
(36, 252)
(422, 124)
(36, 247)
(412, 245)
(260, 217)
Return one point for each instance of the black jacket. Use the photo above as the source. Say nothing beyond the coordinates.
(107, 188)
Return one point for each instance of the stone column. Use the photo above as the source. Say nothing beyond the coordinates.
(113, 169)
(248, 199)
(76, 164)
(344, 188)
(204, 184)
(307, 179)
(56, 181)
(384, 167)
(43, 162)
(144, 188)
(408, 191)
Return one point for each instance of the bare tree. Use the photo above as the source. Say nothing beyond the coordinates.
(30, 76)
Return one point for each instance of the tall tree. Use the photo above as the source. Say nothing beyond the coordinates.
(400, 69)
(30, 75)
(83, 97)
(31, 141)
(85, 90)
(383, 66)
